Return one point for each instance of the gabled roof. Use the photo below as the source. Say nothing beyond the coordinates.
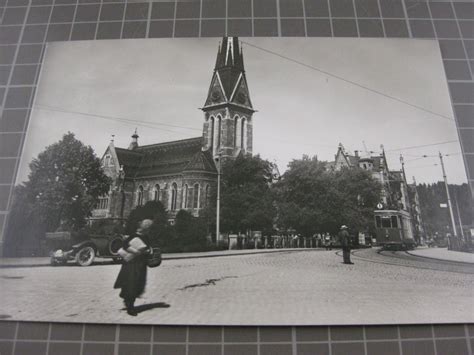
(129, 159)
(379, 161)
(201, 161)
(166, 158)
(353, 160)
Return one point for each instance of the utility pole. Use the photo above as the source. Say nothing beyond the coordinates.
(218, 207)
(407, 201)
(459, 218)
(449, 197)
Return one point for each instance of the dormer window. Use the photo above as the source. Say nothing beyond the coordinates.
(107, 160)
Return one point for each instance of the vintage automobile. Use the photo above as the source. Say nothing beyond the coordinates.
(66, 246)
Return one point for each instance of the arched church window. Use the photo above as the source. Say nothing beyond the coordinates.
(140, 196)
(185, 196)
(196, 196)
(219, 122)
(156, 193)
(174, 196)
(242, 133)
(211, 131)
(236, 129)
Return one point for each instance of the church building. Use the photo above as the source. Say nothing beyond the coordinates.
(181, 174)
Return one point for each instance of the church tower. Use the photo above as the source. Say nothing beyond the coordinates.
(228, 110)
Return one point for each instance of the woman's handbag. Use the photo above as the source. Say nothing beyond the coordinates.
(154, 259)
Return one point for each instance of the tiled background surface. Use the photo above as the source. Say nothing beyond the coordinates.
(56, 338)
(25, 27)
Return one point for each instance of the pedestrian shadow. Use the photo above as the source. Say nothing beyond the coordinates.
(149, 306)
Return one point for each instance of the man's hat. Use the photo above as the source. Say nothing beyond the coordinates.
(343, 226)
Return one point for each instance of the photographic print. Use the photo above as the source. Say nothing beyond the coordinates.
(241, 181)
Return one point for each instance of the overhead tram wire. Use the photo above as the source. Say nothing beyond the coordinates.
(148, 124)
(430, 156)
(420, 146)
(349, 81)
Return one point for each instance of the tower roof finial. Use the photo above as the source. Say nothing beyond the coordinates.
(134, 143)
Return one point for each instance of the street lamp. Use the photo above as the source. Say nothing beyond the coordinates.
(218, 206)
(121, 182)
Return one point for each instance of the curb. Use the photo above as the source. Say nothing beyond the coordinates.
(164, 257)
(437, 259)
(235, 254)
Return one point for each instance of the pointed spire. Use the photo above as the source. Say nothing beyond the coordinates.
(218, 58)
(241, 55)
(229, 54)
(134, 143)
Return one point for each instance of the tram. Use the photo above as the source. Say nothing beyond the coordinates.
(393, 229)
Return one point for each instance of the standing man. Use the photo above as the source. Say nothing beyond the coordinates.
(132, 276)
(327, 241)
(345, 239)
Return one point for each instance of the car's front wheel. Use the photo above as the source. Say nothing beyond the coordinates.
(85, 256)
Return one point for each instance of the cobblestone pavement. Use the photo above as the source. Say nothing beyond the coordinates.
(288, 288)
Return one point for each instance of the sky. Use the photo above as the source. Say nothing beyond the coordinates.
(90, 87)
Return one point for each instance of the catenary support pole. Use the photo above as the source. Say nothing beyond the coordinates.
(448, 195)
(459, 218)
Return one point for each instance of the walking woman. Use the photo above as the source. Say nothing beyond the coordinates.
(132, 276)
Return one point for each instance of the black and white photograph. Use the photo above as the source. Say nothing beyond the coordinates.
(241, 181)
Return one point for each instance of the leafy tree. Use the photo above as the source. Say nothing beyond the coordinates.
(64, 184)
(187, 234)
(153, 210)
(436, 218)
(66, 180)
(360, 195)
(190, 232)
(246, 196)
(161, 232)
(312, 199)
(25, 229)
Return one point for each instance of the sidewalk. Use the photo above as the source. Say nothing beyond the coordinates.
(443, 254)
(45, 261)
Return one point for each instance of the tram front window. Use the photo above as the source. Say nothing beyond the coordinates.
(394, 222)
(378, 222)
(386, 222)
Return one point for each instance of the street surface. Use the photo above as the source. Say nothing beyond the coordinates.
(444, 254)
(299, 287)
